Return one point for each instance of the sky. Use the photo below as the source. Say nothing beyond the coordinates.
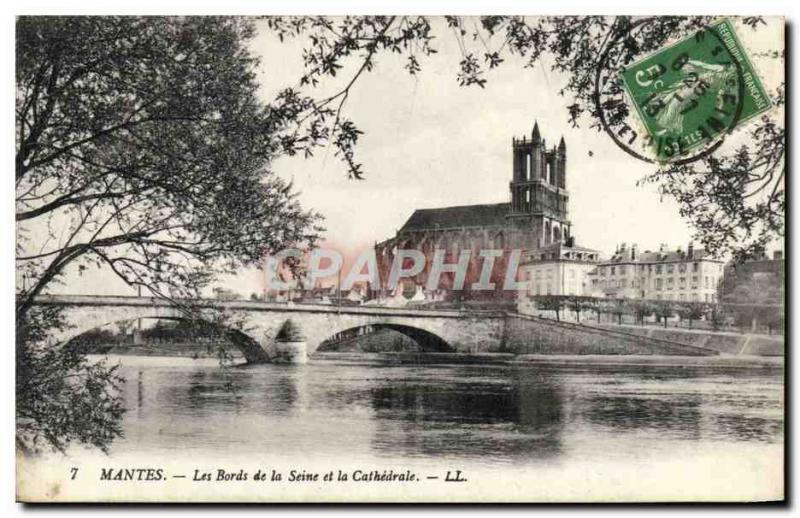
(429, 142)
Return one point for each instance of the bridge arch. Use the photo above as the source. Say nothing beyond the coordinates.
(426, 340)
(247, 345)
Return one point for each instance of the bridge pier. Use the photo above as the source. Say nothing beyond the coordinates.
(291, 352)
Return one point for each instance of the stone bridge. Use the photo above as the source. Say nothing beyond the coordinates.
(253, 325)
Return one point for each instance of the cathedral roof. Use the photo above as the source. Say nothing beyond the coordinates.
(489, 215)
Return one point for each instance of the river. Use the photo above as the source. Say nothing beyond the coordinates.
(573, 420)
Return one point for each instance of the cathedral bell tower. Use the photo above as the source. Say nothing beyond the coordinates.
(539, 194)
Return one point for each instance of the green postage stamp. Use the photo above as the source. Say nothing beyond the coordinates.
(690, 93)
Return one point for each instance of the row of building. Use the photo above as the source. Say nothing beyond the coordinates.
(536, 220)
(663, 274)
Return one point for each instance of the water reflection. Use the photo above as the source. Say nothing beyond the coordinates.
(491, 414)
(504, 416)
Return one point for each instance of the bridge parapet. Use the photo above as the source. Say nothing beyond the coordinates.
(462, 331)
(252, 305)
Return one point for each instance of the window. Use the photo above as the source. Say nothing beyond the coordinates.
(695, 267)
(683, 282)
(680, 296)
(658, 268)
(682, 268)
(622, 270)
(695, 280)
(670, 268)
(670, 283)
(659, 284)
(613, 269)
(707, 283)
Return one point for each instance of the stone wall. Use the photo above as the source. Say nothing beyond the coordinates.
(723, 342)
(533, 335)
(255, 325)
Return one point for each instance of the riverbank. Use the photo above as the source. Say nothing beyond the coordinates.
(391, 358)
(721, 341)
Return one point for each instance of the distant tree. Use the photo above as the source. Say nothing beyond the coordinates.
(756, 299)
(125, 327)
(663, 310)
(619, 307)
(774, 319)
(552, 303)
(579, 304)
(641, 310)
(691, 311)
(716, 316)
(603, 306)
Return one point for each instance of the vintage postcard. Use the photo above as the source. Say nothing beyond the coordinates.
(400, 259)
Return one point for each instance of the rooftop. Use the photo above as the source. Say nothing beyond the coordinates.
(629, 255)
(488, 215)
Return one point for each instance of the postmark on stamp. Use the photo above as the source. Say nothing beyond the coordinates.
(692, 93)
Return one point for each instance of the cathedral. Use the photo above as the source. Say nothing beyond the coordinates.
(535, 218)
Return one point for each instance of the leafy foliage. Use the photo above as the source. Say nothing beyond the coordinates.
(734, 199)
(550, 303)
(642, 309)
(142, 147)
(580, 304)
(62, 397)
(691, 312)
(663, 310)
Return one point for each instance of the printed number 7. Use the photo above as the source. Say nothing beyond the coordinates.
(74, 472)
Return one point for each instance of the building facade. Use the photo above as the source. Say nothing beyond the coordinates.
(687, 276)
(560, 269)
(535, 217)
